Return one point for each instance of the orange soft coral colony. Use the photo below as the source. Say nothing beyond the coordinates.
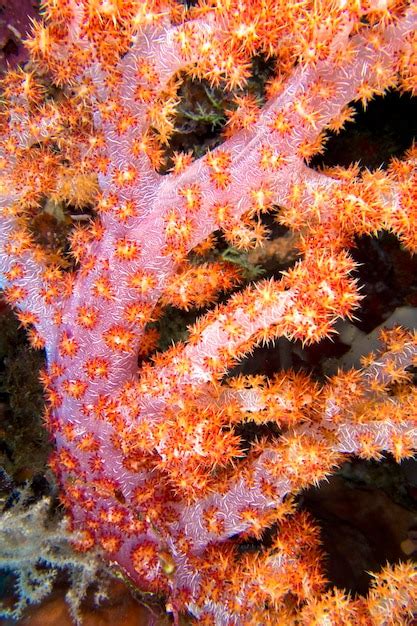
(150, 464)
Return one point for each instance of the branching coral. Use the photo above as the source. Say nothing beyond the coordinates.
(151, 464)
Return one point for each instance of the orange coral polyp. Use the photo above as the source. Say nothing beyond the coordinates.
(168, 469)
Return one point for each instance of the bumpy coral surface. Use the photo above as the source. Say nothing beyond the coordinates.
(152, 465)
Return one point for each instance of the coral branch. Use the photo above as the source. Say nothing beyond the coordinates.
(153, 466)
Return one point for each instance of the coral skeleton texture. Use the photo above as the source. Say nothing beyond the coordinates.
(151, 464)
